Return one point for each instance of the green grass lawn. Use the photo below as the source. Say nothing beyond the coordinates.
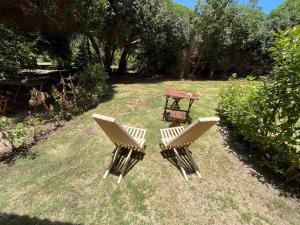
(62, 179)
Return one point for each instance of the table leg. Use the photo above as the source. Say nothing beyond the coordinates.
(165, 110)
(175, 104)
(189, 107)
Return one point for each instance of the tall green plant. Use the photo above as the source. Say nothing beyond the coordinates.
(15, 134)
(270, 116)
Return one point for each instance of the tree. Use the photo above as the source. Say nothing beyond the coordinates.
(227, 33)
(165, 38)
(17, 50)
(286, 15)
(268, 116)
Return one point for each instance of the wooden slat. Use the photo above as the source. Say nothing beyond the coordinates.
(162, 133)
(118, 134)
(140, 134)
(193, 132)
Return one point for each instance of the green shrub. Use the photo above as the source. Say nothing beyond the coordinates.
(15, 134)
(236, 106)
(93, 81)
(269, 116)
(17, 51)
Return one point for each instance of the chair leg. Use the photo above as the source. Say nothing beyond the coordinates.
(124, 167)
(194, 165)
(112, 162)
(180, 165)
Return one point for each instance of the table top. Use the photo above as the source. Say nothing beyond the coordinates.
(181, 94)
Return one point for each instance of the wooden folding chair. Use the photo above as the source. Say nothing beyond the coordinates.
(131, 138)
(179, 138)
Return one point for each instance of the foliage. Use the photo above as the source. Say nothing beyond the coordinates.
(230, 37)
(164, 37)
(269, 116)
(73, 95)
(35, 123)
(15, 134)
(17, 51)
(93, 81)
(286, 15)
(57, 49)
(219, 37)
(38, 98)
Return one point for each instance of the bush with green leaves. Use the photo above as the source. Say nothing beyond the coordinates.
(93, 81)
(17, 51)
(269, 116)
(230, 37)
(15, 134)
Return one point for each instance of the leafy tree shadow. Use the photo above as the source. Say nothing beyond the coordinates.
(13, 219)
(10, 157)
(252, 157)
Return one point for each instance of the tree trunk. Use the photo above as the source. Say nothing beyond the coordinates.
(88, 48)
(123, 61)
(96, 47)
(197, 64)
(109, 51)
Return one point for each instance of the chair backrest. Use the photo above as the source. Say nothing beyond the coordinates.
(115, 132)
(193, 132)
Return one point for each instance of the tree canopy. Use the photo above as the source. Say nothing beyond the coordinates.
(216, 39)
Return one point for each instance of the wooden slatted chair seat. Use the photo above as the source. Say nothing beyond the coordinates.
(138, 134)
(169, 133)
(123, 136)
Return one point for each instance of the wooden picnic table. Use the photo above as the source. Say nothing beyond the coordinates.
(177, 96)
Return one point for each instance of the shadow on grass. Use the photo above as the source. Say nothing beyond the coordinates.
(249, 156)
(135, 157)
(186, 162)
(13, 219)
(171, 157)
(110, 94)
(134, 78)
(153, 78)
(9, 158)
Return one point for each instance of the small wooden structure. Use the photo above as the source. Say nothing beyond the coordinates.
(176, 138)
(177, 96)
(128, 137)
(17, 89)
(16, 85)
